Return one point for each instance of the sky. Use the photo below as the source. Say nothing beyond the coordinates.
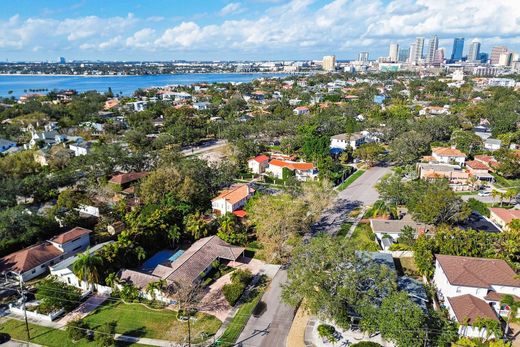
(38, 30)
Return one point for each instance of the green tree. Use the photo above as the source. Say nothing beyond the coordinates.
(196, 225)
(104, 334)
(55, 295)
(87, 267)
(408, 147)
(466, 141)
(231, 231)
(440, 205)
(370, 153)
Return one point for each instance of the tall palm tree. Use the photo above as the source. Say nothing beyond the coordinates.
(87, 267)
(111, 280)
(227, 224)
(196, 225)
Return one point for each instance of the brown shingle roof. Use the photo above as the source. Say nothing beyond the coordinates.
(494, 296)
(127, 177)
(468, 309)
(477, 272)
(70, 235)
(139, 279)
(29, 258)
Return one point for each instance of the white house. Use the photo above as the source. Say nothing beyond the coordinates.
(302, 171)
(231, 199)
(448, 155)
(492, 144)
(471, 288)
(202, 105)
(64, 272)
(139, 106)
(82, 148)
(389, 231)
(258, 164)
(301, 110)
(343, 141)
(35, 260)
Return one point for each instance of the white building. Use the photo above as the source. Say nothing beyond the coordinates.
(448, 155)
(393, 53)
(258, 164)
(343, 141)
(139, 106)
(82, 148)
(302, 171)
(231, 199)
(329, 63)
(492, 144)
(471, 288)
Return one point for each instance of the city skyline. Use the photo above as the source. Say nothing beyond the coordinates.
(245, 30)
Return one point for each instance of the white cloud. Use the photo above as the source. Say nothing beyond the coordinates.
(231, 8)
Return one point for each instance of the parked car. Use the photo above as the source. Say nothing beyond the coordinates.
(484, 193)
(4, 338)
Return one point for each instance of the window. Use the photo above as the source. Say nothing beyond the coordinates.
(75, 249)
(42, 266)
(458, 290)
(33, 271)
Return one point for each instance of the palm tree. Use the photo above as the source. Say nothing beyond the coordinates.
(173, 234)
(153, 287)
(227, 224)
(514, 306)
(111, 280)
(87, 267)
(382, 208)
(196, 225)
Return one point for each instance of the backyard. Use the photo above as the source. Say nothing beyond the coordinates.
(47, 336)
(140, 321)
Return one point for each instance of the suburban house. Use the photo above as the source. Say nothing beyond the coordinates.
(258, 164)
(301, 110)
(457, 177)
(492, 144)
(479, 170)
(231, 199)
(471, 288)
(184, 267)
(502, 216)
(201, 105)
(448, 155)
(124, 180)
(343, 141)
(138, 106)
(64, 271)
(487, 160)
(6, 144)
(303, 171)
(82, 148)
(35, 260)
(388, 231)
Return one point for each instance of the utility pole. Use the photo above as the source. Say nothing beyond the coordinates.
(24, 309)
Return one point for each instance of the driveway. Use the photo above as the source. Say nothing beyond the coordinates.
(271, 328)
(358, 194)
(84, 309)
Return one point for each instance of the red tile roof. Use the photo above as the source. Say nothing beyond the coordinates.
(127, 177)
(235, 193)
(292, 165)
(477, 272)
(506, 215)
(448, 151)
(477, 165)
(260, 158)
(240, 213)
(70, 235)
(29, 258)
(468, 309)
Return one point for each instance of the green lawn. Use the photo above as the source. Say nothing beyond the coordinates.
(46, 336)
(502, 182)
(363, 238)
(350, 179)
(237, 324)
(343, 231)
(137, 320)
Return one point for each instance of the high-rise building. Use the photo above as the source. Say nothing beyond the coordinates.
(505, 59)
(329, 63)
(62, 60)
(403, 55)
(393, 54)
(496, 52)
(363, 56)
(483, 57)
(439, 56)
(474, 51)
(416, 54)
(432, 48)
(458, 48)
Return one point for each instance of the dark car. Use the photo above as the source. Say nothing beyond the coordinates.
(4, 338)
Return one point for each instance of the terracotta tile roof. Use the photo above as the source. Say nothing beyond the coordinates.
(29, 258)
(489, 160)
(477, 165)
(235, 193)
(494, 296)
(448, 152)
(127, 177)
(260, 158)
(70, 235)
(504, 214)
(291, 165)
(477, 272)
(468, 308)
(240, 213)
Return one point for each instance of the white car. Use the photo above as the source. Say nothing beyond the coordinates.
(483, 193)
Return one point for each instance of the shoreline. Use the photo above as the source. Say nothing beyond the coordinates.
(172, 74)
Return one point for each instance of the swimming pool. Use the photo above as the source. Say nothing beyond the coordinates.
(161, 257)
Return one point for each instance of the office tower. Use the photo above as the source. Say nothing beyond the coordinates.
(496, 52)
(458, 48)
(514, 57)
(62, 60)
(394, 52)
(474, 51)
(329, 63)
(432, 48)
(412, 57)
(505, 59)
(363, 56)
(403, 55)
(439, 56)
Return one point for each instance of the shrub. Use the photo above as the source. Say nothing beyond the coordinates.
(478, 206)
(241, 276)
(129, 293)
(327, 332)
(48, 288)
(366, 344)
(232, 292)
(104, 335)
(77, 329)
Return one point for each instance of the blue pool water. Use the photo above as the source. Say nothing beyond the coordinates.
(164, 256)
